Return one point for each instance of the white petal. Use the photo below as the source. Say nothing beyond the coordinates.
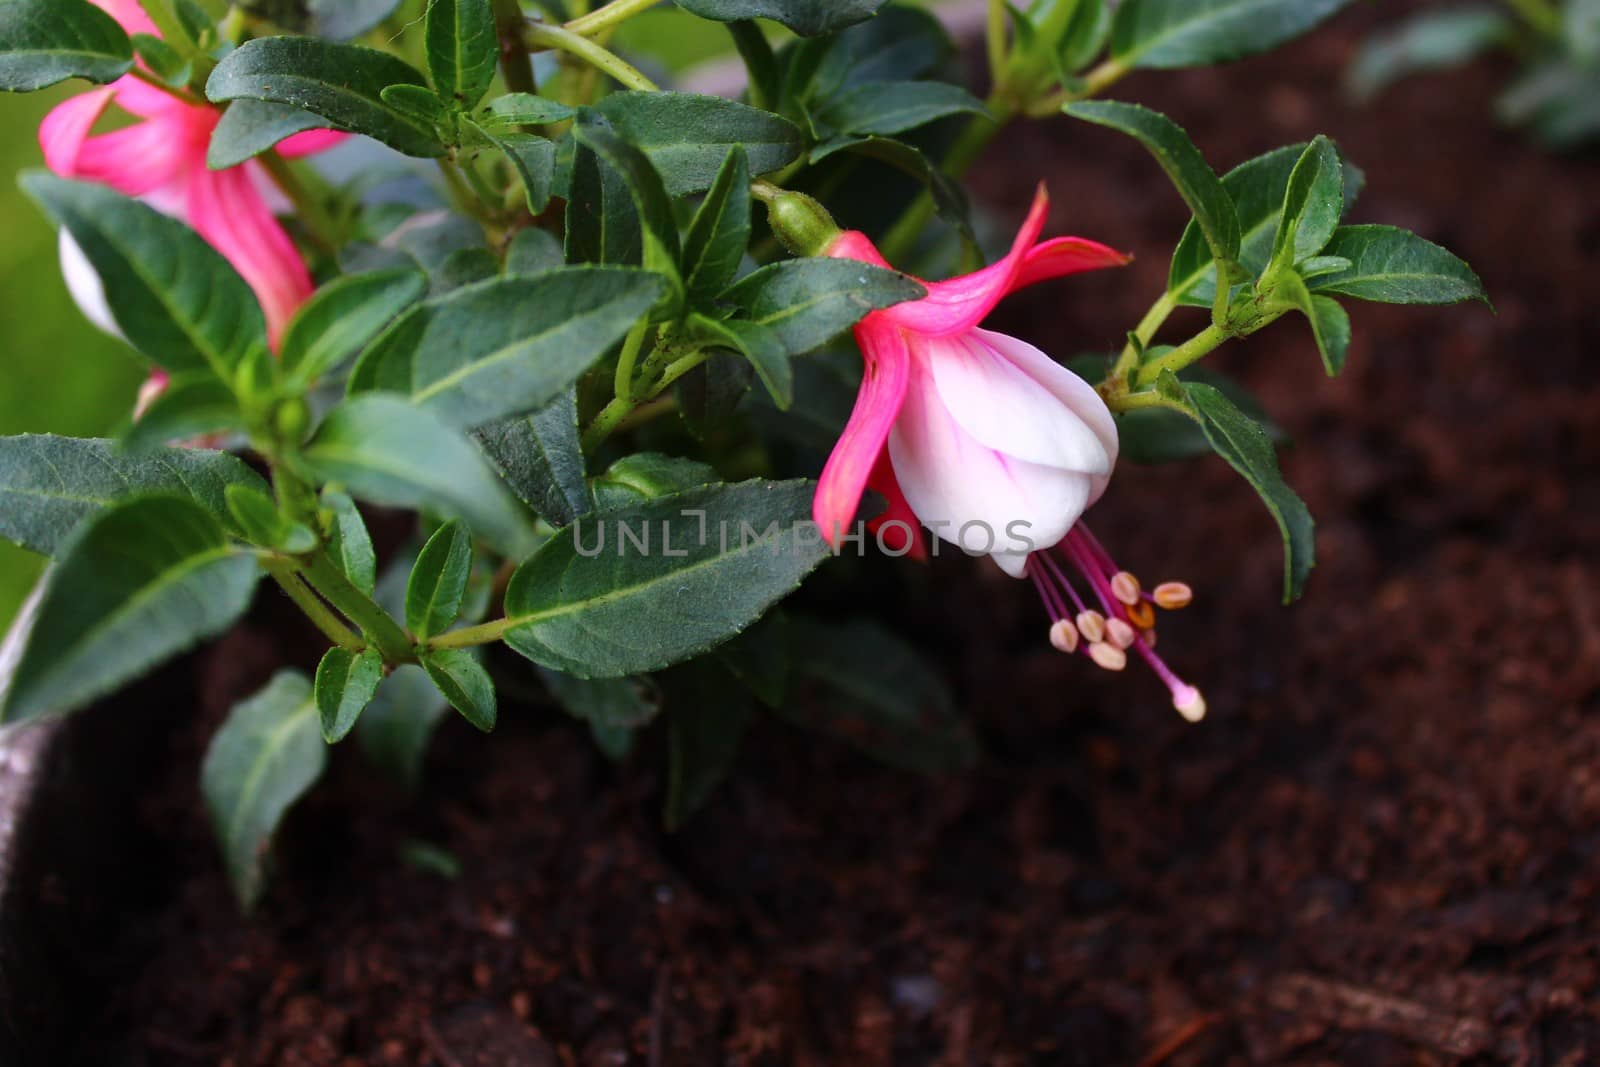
(1004, 407)
(972, 496)
(85, 286)
(1067, 387)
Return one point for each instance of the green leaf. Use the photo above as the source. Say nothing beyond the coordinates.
(174, 297)
(1242, 442)
(1429, 40)
(645, 476)
(602, 224)
(534, 252)
(613, 707)
(462, 49)
(707, 716)
(395, 729)
(1196, 33)
(872, 689)
(343, 318)
(464, 682)
(1331, 326)
(163, 60)
(949, 199)
(192, 405)
(534, 159)
(418, 104)
(140, 582)
(1161, 435)
(43, 42)
(1580, 29)
(508, 345)
(439, 581)
(346, 682)
(894, 107)
(342, 83)
(658, 229)
(1258, 188)
(264, 758)
(720, 232)
(594, 603)
(1312, 206)
(524, 109)
(808, 18)
(49, 484)
(687, 137)
(1393, 266)
(263, 524)
(541, 458)
(251, 127)
(1196, 182)
(709, 396)
(759, 658)
(349, 543)
(384, 450)
(344, 20)
(809, 302)
(761, 345)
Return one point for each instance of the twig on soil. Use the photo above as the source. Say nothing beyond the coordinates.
(1353, 1008)
(1180, 1038)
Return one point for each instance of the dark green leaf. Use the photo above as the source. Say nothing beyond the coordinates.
(250, 127)
(1258, 187)
(720, 232)
(949, 199)
(1241, 441)
(644, 476)
(808, 302)
(595, 603)
(193, 404)
(602, 224)
(384, 450)
(766, 80)
(541, 459)
(1331, 326)
(43, 42)
(864, 685)
(1393, 266)
(462, 49)
(534, 159)
(524, 109)
(900, 43)
(343, 318)
(687, 137)
(174, 296)
(265, 757)
(709, 395)
(419, 104)
(1312, 206)
(1161, 435)
(707, 716)
(508, 345)
(1195, 33)
(342, 83)
(606, 704)
(1196, 183)
(438, 581)
(464, 682)
(894, 107)
(346, 682)
(395, 729)
(759, 658)
(162, 60)
(1429, 40)
(140, 582)
(349, 543)
(49, 484)
(809, 18)
(533, 251)
(263, 524)
(761, 345)
(658, 229)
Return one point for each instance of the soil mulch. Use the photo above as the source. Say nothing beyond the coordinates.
(1381, 848)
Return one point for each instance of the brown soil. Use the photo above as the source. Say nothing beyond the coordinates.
(1382, 848)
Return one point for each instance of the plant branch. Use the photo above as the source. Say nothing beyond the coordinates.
(557, 37)
(1195, 348)
(623, 385)
(1119, 402)
(995, 38)
(980, 130)
(1145, 332)
(386, 634)
(284, 574)
(515, 62)
(467, 637)
(608, 17)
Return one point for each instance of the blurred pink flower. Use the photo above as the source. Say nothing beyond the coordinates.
(162, 161)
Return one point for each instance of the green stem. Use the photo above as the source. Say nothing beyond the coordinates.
(1540, 14)
(1145, 332)
(1195, 348)
(1094, 83)
(996, 40)
(309, 208)
(613, 14)
(606, 423)
(903, 235)
(576, 45)
(515, 62)
(467, 637)
(385, 634)
(630, 354)
(284, 574)
(1120, 402)
(182, 94)
(678, 370)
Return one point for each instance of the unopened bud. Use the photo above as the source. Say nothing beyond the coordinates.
(803, 225)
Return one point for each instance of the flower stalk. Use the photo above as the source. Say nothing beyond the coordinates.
(564, 40)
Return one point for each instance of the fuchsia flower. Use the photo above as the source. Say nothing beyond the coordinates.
(162, 161)
(995, 446)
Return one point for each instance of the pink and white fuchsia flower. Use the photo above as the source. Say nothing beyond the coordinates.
(995, 447)
(162, 161)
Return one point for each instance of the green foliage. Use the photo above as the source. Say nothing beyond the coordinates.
(43, 42)
(541, 459)
(809, 302)
(1392, 266)
(465, 684)
(345, 684)
(344, 317)
(809, 18)
(265, 757)
(462, 49)
(438, 581)
(686, 137)
(1431, 40)
(1192, 33)
(720, 232)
